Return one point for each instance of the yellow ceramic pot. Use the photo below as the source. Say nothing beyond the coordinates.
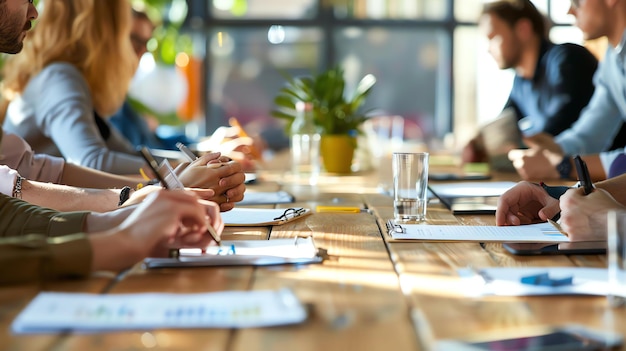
(337, 152)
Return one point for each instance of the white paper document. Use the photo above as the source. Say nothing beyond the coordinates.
(62, 312)
(471, 189)
(298, 250)
(266, 198)
(263, 216)
(541, 232)
(505, 281)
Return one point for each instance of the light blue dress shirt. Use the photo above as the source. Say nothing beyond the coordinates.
(601, 120)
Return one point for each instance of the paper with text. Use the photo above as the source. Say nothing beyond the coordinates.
(541, 232)
(506, 281)
(62, 312)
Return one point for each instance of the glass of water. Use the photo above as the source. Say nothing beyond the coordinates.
(410, 185)
(616, 255)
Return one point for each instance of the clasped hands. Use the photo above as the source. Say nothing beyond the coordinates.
(212, 177)
(539, 161)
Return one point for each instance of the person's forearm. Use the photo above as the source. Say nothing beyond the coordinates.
(99, 222)
(110, 252)
(594, 164)
(91, 178)
(66, 198)
(615, 186)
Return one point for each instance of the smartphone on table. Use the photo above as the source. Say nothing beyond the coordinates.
(568, 338)
(568, 248)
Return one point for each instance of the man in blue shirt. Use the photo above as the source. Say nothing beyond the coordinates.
(552, 83)
(591, 135)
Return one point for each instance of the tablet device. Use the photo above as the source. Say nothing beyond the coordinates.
(454, 176)
(470, 197)
(470, 205)
(571, 248)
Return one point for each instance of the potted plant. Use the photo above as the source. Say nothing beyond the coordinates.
(337, 113)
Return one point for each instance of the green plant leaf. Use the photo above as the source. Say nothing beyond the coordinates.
(333, 112)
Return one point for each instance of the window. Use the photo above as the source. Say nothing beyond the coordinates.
(426, 55)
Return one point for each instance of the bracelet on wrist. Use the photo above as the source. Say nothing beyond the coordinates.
(17, 188)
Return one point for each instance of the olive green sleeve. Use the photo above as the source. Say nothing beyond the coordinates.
(37, 243)
(18, 218)
(36, 257)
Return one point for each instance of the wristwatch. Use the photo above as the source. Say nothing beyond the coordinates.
(565, 167)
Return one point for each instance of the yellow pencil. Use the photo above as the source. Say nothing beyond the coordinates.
(342, 209)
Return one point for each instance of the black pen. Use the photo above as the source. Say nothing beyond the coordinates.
(584, 178)
(185, 150)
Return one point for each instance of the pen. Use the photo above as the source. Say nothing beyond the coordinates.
(145, 153)
(583, 175)
(558, 227)
(342, 209)
(185, 150)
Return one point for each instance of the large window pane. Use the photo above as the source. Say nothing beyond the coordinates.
(558, 12)
(411, 67)
(481, 88)
(392, 9)
(245, 66)
(467, 10)
(259, 9)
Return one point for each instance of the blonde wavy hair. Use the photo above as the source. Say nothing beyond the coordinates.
(92, 35)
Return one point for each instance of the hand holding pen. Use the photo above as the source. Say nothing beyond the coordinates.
(584, 178)
(145, 153)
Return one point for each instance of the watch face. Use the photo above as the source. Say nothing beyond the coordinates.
(565, 168)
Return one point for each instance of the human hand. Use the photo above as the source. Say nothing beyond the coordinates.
(525, 203)
(234, 142)
(168, 219)
(224, 177)
(584, 217)
(535, 163)
(543, 141)
(474, 151)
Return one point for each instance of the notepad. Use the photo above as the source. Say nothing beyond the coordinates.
(541, 232)
(299, 250)
(62, 312)
(263, 216)
(266, 198)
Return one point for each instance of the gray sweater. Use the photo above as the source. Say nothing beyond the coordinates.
(55, 116)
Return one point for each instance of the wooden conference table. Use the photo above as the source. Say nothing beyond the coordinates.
(370, 295)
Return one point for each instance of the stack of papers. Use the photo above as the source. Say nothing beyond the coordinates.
(63, 312)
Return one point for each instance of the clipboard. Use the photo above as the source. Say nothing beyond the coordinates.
(535, 233)
(258, 217)
(299, 250)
